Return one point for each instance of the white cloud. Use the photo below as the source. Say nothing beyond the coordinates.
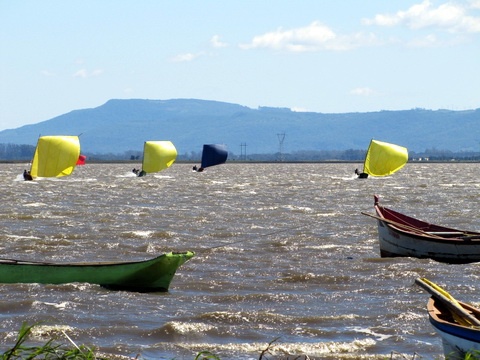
(314, 37)
(426, 41)
(84, 73)
(216, 43)
(47, 73)
(309, 38)
(189, 56)
(362, 91)
(451, 17)
(475, 4)
(186, 57)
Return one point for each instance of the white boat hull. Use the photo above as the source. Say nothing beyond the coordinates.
(396, 243)
(456, 347)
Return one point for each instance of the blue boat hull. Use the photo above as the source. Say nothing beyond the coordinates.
(457, 339)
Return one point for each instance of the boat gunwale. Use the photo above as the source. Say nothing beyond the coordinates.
(189, 254)
(465, 332)
(383, 213)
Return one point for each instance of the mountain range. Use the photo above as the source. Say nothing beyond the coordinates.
(122, 126)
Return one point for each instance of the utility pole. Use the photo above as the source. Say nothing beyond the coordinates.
(243, 151)
(281, 138)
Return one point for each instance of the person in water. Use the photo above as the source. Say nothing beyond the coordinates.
(26, 175)
(135, 171)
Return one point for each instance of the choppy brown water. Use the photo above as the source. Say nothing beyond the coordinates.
(282, 252)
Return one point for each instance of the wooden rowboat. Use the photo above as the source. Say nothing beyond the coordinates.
(402, 235)
(143, 276)
(457, 339)
(457, 323)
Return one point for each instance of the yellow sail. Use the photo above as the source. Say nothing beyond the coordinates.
(158, 155)
(55, 156)
(384, 159)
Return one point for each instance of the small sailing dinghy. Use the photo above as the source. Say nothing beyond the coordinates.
(55, 156)
(212, 154)
(157, 156)
(383, 159)
(150, 275)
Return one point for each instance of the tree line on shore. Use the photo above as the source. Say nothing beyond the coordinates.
(16, 152)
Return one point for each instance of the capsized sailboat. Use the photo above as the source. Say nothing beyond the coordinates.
(213, 154)
(383, 159)
(55, 156)
(157, 156)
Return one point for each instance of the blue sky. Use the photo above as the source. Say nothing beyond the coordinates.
(308, 55)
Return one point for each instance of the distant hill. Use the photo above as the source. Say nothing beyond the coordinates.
(121, 126)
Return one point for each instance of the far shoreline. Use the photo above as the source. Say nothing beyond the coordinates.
(243, 162)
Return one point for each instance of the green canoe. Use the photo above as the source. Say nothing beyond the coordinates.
(143, 276)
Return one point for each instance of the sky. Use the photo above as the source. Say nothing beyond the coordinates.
(323, 56)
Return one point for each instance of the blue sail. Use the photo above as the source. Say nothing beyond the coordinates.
(214, 154)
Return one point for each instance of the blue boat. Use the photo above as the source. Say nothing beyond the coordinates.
(457, 339)
(457, 323)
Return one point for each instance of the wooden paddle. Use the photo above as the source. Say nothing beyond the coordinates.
(406, 227)
(448, 300)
